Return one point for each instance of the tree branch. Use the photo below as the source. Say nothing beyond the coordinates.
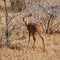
(12, 18)
(13, 28)
(55, 25)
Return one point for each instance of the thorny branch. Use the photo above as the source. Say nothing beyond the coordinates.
(12, 18)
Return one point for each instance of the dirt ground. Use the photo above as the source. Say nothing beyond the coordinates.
(52, 46)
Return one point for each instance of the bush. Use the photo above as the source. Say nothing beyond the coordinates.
(18, 5)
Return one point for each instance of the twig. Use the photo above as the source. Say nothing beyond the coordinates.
(12, 18)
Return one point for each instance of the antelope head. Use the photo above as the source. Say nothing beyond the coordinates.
(26, 19)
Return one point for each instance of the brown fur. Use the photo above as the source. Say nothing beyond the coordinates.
(32, 29)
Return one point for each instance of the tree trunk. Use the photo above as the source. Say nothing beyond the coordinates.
(6, 15)
(48, 24)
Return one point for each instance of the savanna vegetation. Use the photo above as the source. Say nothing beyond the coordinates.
(14, 34)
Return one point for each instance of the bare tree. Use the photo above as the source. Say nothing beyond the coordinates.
(48, 23)
(52, 14)
(17, 5)
(6, 15)
(12, 4)
(8, 20)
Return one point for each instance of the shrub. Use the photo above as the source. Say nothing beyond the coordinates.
(18, 5)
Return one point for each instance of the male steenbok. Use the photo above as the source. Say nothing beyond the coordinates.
(33, 28)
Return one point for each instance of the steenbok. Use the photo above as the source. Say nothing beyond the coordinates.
(33, 28)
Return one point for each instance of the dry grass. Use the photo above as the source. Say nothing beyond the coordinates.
(20, 39)
(52, 44)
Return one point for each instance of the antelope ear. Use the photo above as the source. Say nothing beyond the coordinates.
(30, 15)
